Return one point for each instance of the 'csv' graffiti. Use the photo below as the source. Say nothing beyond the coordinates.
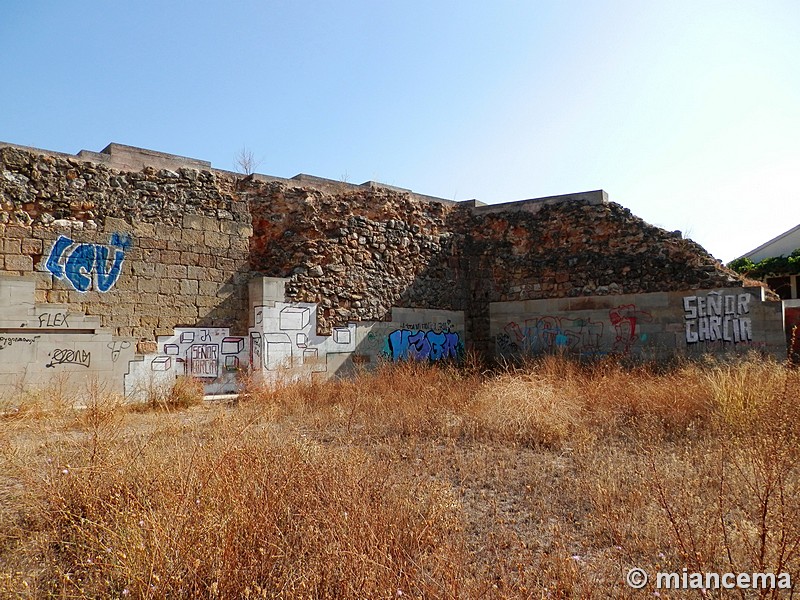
(718, 318)
(423, 345)
(83, 264)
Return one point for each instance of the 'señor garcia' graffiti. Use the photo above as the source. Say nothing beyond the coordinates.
(430, 345)
(82, 264)
(718, 318)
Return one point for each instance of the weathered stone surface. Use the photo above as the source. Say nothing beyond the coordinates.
(195, 237)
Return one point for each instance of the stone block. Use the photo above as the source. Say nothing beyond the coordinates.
(147, 299)
(176, 271)
(151, 322)
(188, 258)
(17, 232)
(115, 225)
(11, 246)
(194, 237)
(189, 287)
(152, 243)
(148, 285)
(170, 257)
(209, 288)
(178, 246)
(141, 230)
(240, 230)
(146, 347)
(239, 245)
(58, 296)
(169, 286)
(128, 284)
(200, 222)
(31, 246)
(214, 239)
(142, 333)
(206, 260)
(18, 262)
(124, 309)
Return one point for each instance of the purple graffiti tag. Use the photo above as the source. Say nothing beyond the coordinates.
(451, 345)
(430, 345)
(437, 342)
(419, 346)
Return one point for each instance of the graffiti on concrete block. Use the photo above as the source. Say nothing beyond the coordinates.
(549, 334)
(116, 347)
(68, 356)
(205, 353)
(285, 338)
(6, 341)
(576, 335)
(53, 319)
(625, 319)
(405, 344)
(718, 318)
(203, 360)
(85, 264)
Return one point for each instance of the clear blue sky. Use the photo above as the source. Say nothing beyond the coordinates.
(686, 112)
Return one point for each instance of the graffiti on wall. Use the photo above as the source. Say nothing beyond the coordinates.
(625, 320)
(69, 356)
(431, 345)
(85, 264)
(210, 354)
(718, 318)
(581, 335)
(285, 337)
(205, 353)
(6, 341)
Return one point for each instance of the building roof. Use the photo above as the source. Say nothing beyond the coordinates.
(782, 245)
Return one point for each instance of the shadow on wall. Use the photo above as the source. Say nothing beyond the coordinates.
(283, 345)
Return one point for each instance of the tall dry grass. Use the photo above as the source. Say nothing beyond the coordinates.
(550, 480)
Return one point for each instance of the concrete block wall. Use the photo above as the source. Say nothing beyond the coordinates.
(49, 346)
(646, 326)
(283, 345)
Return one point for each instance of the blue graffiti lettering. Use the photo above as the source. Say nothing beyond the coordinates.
(403, 344)
(79, 266)
(106, 279)
(121, 240)
(62, 243)
(78, 263)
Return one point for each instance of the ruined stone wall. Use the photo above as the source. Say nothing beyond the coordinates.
(360, 253)
(357, 254)
(146, 250)
(153, 249)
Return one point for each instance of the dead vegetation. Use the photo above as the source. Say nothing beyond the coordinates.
(550, 481)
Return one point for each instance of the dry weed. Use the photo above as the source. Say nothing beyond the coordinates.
(549, 481)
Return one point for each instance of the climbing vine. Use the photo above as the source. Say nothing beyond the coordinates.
(776, 265)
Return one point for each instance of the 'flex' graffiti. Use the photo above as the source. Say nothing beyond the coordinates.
(423, 345)
(82, 263)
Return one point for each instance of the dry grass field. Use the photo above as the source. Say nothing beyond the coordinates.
(548, 481)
